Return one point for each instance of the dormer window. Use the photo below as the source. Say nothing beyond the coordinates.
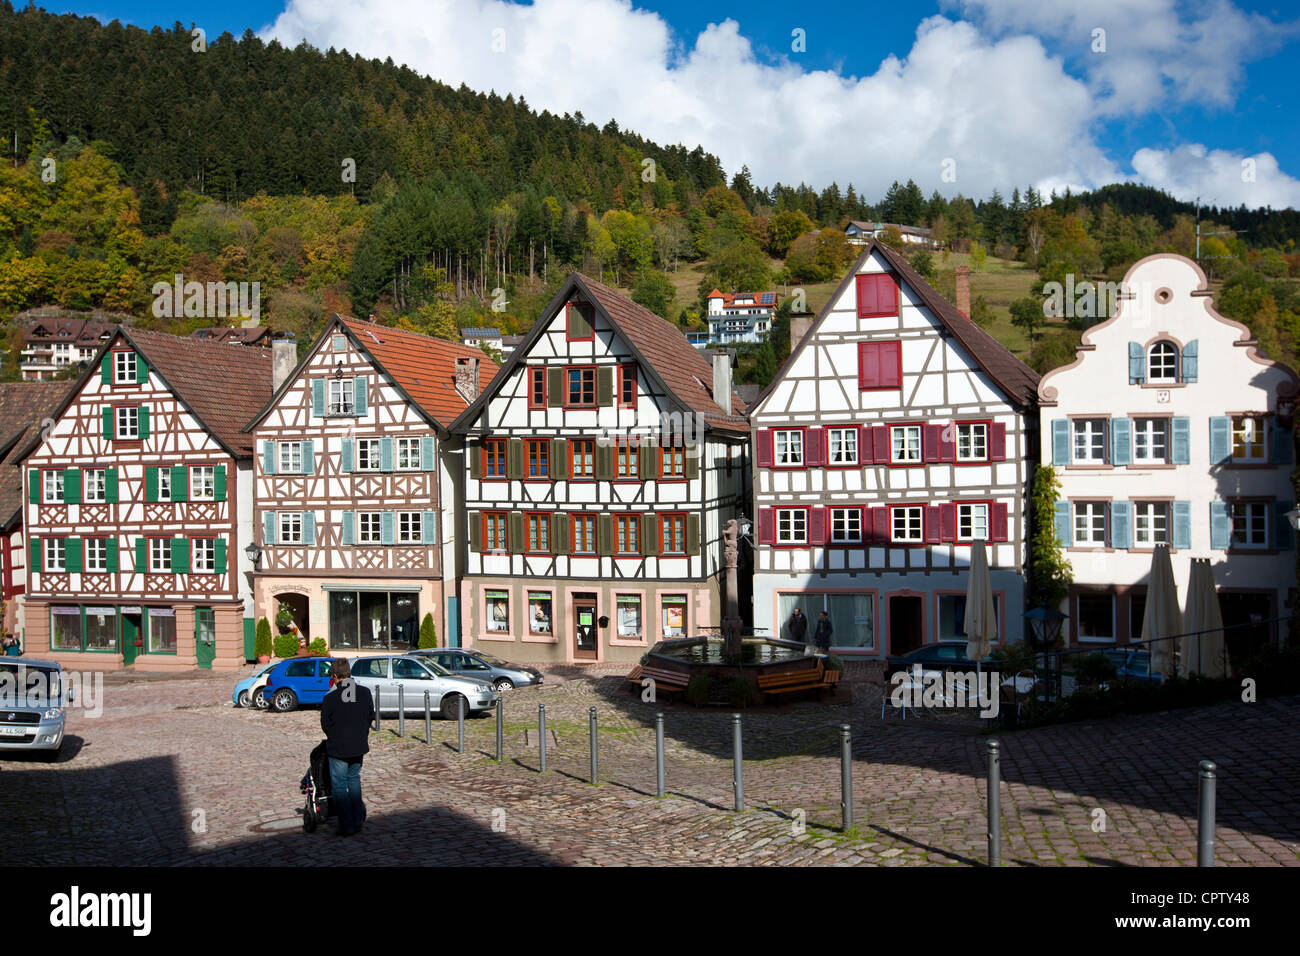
(124, 368)
(1162, 363)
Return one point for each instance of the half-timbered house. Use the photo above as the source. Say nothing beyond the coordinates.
(139, 501)
(897, 433)
(355, 500)
(601, 468)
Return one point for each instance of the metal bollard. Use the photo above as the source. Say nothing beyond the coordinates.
(541, 734)
(401, 710)
(460, 725)
(501, 706)
(846, 777)
(595, 745)
(1205, 815)
(738, 764)
(428, 720)
(659, 754)
(995, 805)
(377, 708)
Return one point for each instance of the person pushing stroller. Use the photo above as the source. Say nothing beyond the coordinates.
(346, 715)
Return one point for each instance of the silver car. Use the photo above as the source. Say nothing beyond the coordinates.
(484, 666)
(414, 676)
(32, 705)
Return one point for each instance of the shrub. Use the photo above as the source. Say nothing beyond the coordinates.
(1095, 669)
(263, 645)
(428, 632)
(284, 617)
(286, 645)
(317, 648)
(833, 663)
(698, 690)
(740, 692)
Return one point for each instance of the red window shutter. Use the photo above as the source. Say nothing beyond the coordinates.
(877, 295)
(766, 526)
(880, 444)
(814, 446)
(948, 442)
(868, 365)
(891, 364)
(765, 448)
(933, 524)
(930, 442)
(948, 522)
(999, 522)
(879, 525)
(998, 442)
(867, 287)
(816, 525)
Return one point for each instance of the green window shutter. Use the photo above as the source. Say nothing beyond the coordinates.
(106, 369)
(554, 388)
(268, 528)
(1121, 441)
(144, 422)
(219, 483)
(318, 397)
(110, 556)
(1182, 441)
(426, 453)
(348, 455)
(72, 555)
(309, 457)
(349, 527)
(72, 486)
(1220, 439)
(1121, 531)
(1283, 534)
(180, 483)
(693, 463)
(1282, 451)
(1061, 520)
(141, 556)
(268, 458)
(34, 486)
(1137, 364)
(180, 555)
(474, 452)
(560, 533)
(387, 528)
(1190, 363)
(35, 548)
(1182, 536)
(559, 463)
(605, 535)
(604, 462)
(151, 483)
(309, 528)
(649, 534)
(692, 534)
(359, 396)
(578, 325)
(106, 418)
(515, 534)
(647, 461)
(141, 369)
(515, 458)
(1060, 441)
(605, 386)
(385, 454)
(110, 485)
(475, 531)
(219, 555)
(429, 527)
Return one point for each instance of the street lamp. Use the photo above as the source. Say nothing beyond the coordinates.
(254, 554)
(1293, 516)
(1045, 625)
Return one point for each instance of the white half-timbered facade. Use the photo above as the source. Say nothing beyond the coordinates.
(601, 467)
(1171, 428)
(897, 433)
(138, 503)
(355, 500)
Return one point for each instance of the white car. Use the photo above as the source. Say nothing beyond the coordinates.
(414, 676)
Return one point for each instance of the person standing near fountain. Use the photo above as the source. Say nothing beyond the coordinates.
(822, 635)
(798, 627)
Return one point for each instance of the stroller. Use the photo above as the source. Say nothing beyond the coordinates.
(316, 787)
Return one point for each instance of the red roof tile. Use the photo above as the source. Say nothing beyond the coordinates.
(23, 406)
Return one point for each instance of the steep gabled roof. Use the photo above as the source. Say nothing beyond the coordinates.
(1017, 381)
(23, 407)
(660, 347)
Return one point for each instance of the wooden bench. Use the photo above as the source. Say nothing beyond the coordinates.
(665, 680)
(791, 682)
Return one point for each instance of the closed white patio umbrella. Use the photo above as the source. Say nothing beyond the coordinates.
(1163, 617)
(981, 622)
(1203, 621)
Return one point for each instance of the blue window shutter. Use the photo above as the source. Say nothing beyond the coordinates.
(1283, 450)
(387, 533)
(1060, 441)
(309, 527)
(1182, 441)
(309, 457)
(1137, 363)
(340, 343)
(318, 397)
(385, 454)
(1121, 531)
(426, 453)
(1190, 361)
(349, 446)
(429, 528)
(1220, 439)
(268, 528)
(268, 457)
(359, 396)
(1182, 525)
(1220, 526)
(1063, 528)
(1121, 441)
(349, 527)
(1282, 532)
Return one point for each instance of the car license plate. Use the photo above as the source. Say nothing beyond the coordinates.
(15, 731)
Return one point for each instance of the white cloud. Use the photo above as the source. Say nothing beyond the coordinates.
(1218, 177)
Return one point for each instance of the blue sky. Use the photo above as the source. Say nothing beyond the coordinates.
(961, 95)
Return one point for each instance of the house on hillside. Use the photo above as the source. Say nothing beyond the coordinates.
(56, 340)
(896, 434)
(601, 467)
(859, 232)
(256, 335)
(355, 496)
(139, 506)
(1171, 428)
(738, 318)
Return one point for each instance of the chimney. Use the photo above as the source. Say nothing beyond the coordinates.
(284, 356)
(722, 380)
(799, 327)
(467, 378)
(963, 290)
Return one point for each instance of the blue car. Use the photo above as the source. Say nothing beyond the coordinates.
(245, 686)
(1133, 665)
(300, 680)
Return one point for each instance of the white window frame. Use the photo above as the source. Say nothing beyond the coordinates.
(370, 527)
(203, 555)
(969, 515)
(907, 440)
(289, 454)
(791, 525)
(373, 459)
(842, 446)
(1085, 515)
(846, 525)
(910, 515)
(1165, 348)
(126, 421)
(94, 489)
(410, 527)
(290, 527)
(408, 451)
(1239, 436)
(1255, 512)
(787, 447)
(160, 555)
(972, 436)
(164, 483)
(52, 487)
(342, 400)
(203, 483)
(54, 552)
(1150, 435)
(1152, 514)
(1093, 430)
(96, 554)
(124, 368)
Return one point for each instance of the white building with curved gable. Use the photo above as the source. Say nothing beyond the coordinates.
(1171, 428)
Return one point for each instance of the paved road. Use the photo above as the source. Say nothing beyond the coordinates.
(171, 773)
